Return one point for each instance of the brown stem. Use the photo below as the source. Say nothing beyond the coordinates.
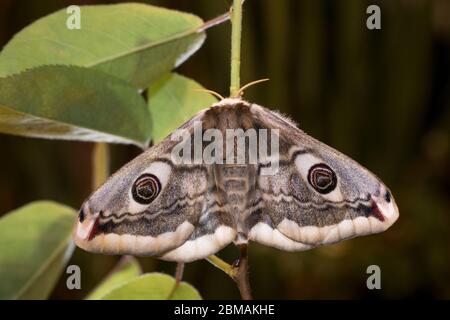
(241, 277)
(178, 277)
(217, 20)
(238, 271)
(213, 22)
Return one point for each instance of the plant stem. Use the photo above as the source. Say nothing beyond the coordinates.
(236, 26)
(222, 265)
(241, 277)
(238, 271)
(100, 164)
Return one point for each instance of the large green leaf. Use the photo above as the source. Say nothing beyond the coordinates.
(73, 103)
(135, 42)
(172, 101)
(35, 245)
(153, 286)
(127, 269)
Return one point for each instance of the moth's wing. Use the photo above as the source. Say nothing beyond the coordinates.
(292, 215)
(214, 230)
(112, 222)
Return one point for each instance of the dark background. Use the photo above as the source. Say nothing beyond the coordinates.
(381, 97)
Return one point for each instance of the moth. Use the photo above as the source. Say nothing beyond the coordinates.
(155, 206)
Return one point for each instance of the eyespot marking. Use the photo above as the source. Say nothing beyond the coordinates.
(322, 178)
(304, 163)
(146, 188)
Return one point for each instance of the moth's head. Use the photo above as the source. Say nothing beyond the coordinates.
(350, 197)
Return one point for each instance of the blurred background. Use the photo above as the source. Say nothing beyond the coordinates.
(380, 96)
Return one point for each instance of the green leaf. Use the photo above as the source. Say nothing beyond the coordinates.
(73, 103)
(132, 41)
(127, 269)
(35, 245)
(153, 286)
(172, 101)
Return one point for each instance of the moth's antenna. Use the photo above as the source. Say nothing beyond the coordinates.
(241, 90)
(217, 95)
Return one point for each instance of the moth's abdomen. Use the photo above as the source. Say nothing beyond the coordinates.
(234, 178)
(237, 185)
